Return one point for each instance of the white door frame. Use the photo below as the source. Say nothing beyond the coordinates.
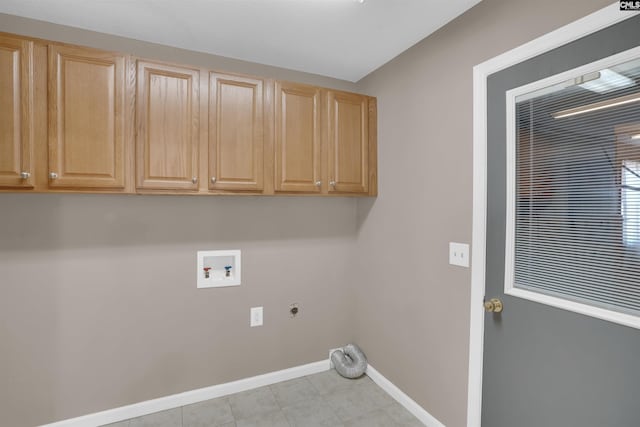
(596, 21)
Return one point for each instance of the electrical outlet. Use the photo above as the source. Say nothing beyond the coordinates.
(256, 316)
(459, 254)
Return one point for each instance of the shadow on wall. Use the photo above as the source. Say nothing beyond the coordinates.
(47, 221)
(365, 205)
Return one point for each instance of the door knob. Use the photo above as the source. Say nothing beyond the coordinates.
(494, 305)
(213, 179)
(318, 183)
(332, 183)
(25, 175)
(53, 175)
(194, 180)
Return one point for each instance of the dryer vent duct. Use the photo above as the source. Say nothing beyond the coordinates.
(349, 361)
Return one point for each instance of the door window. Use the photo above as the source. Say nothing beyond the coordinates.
(573, 190)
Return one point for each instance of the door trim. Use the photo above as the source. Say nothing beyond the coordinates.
(596, 21)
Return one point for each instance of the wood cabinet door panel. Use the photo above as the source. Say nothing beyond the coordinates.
(236, 133)
(298, 140)
(348, 142)
(16, 112)
(168, 127)
(86, 118)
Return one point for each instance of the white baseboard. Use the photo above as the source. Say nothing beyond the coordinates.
(189, 397)
(194, 396)
(418, 411)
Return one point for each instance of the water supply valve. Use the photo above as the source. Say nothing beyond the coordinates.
(218, 268)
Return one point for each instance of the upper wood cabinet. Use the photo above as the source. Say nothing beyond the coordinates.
(87, 118)
(348, 141)
(297, 138)
(16, 112)
(76, 119)
(167, 121)
(236, 133)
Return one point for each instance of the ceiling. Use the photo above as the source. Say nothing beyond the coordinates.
(345, 39)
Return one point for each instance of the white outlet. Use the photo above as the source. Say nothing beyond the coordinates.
(256, 316)
(459, 254)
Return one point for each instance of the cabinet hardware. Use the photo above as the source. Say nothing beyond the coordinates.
(25, 175)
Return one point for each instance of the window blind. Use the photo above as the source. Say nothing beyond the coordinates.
(577, 185)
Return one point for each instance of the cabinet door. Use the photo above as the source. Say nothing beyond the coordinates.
(168, 132)
(16, 117)
(87, 120)
(348, 142)
(297, 144)
(236, 160)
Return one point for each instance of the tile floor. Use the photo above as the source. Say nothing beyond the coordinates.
(320, 400)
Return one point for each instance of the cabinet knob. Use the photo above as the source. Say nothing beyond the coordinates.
(53, 175)
(194, 180)
(213, 179)
(25, 175)
(332, 183)
(318, 183)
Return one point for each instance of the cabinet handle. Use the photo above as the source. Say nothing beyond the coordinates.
(25, 175)
(318, 183)
(332, 183)
(213, 179)
(194, 180)
(53, 175)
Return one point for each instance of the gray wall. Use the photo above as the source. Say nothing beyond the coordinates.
(98, 304)
(412, 311)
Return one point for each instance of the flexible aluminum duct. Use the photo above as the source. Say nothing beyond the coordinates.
(349, 361)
